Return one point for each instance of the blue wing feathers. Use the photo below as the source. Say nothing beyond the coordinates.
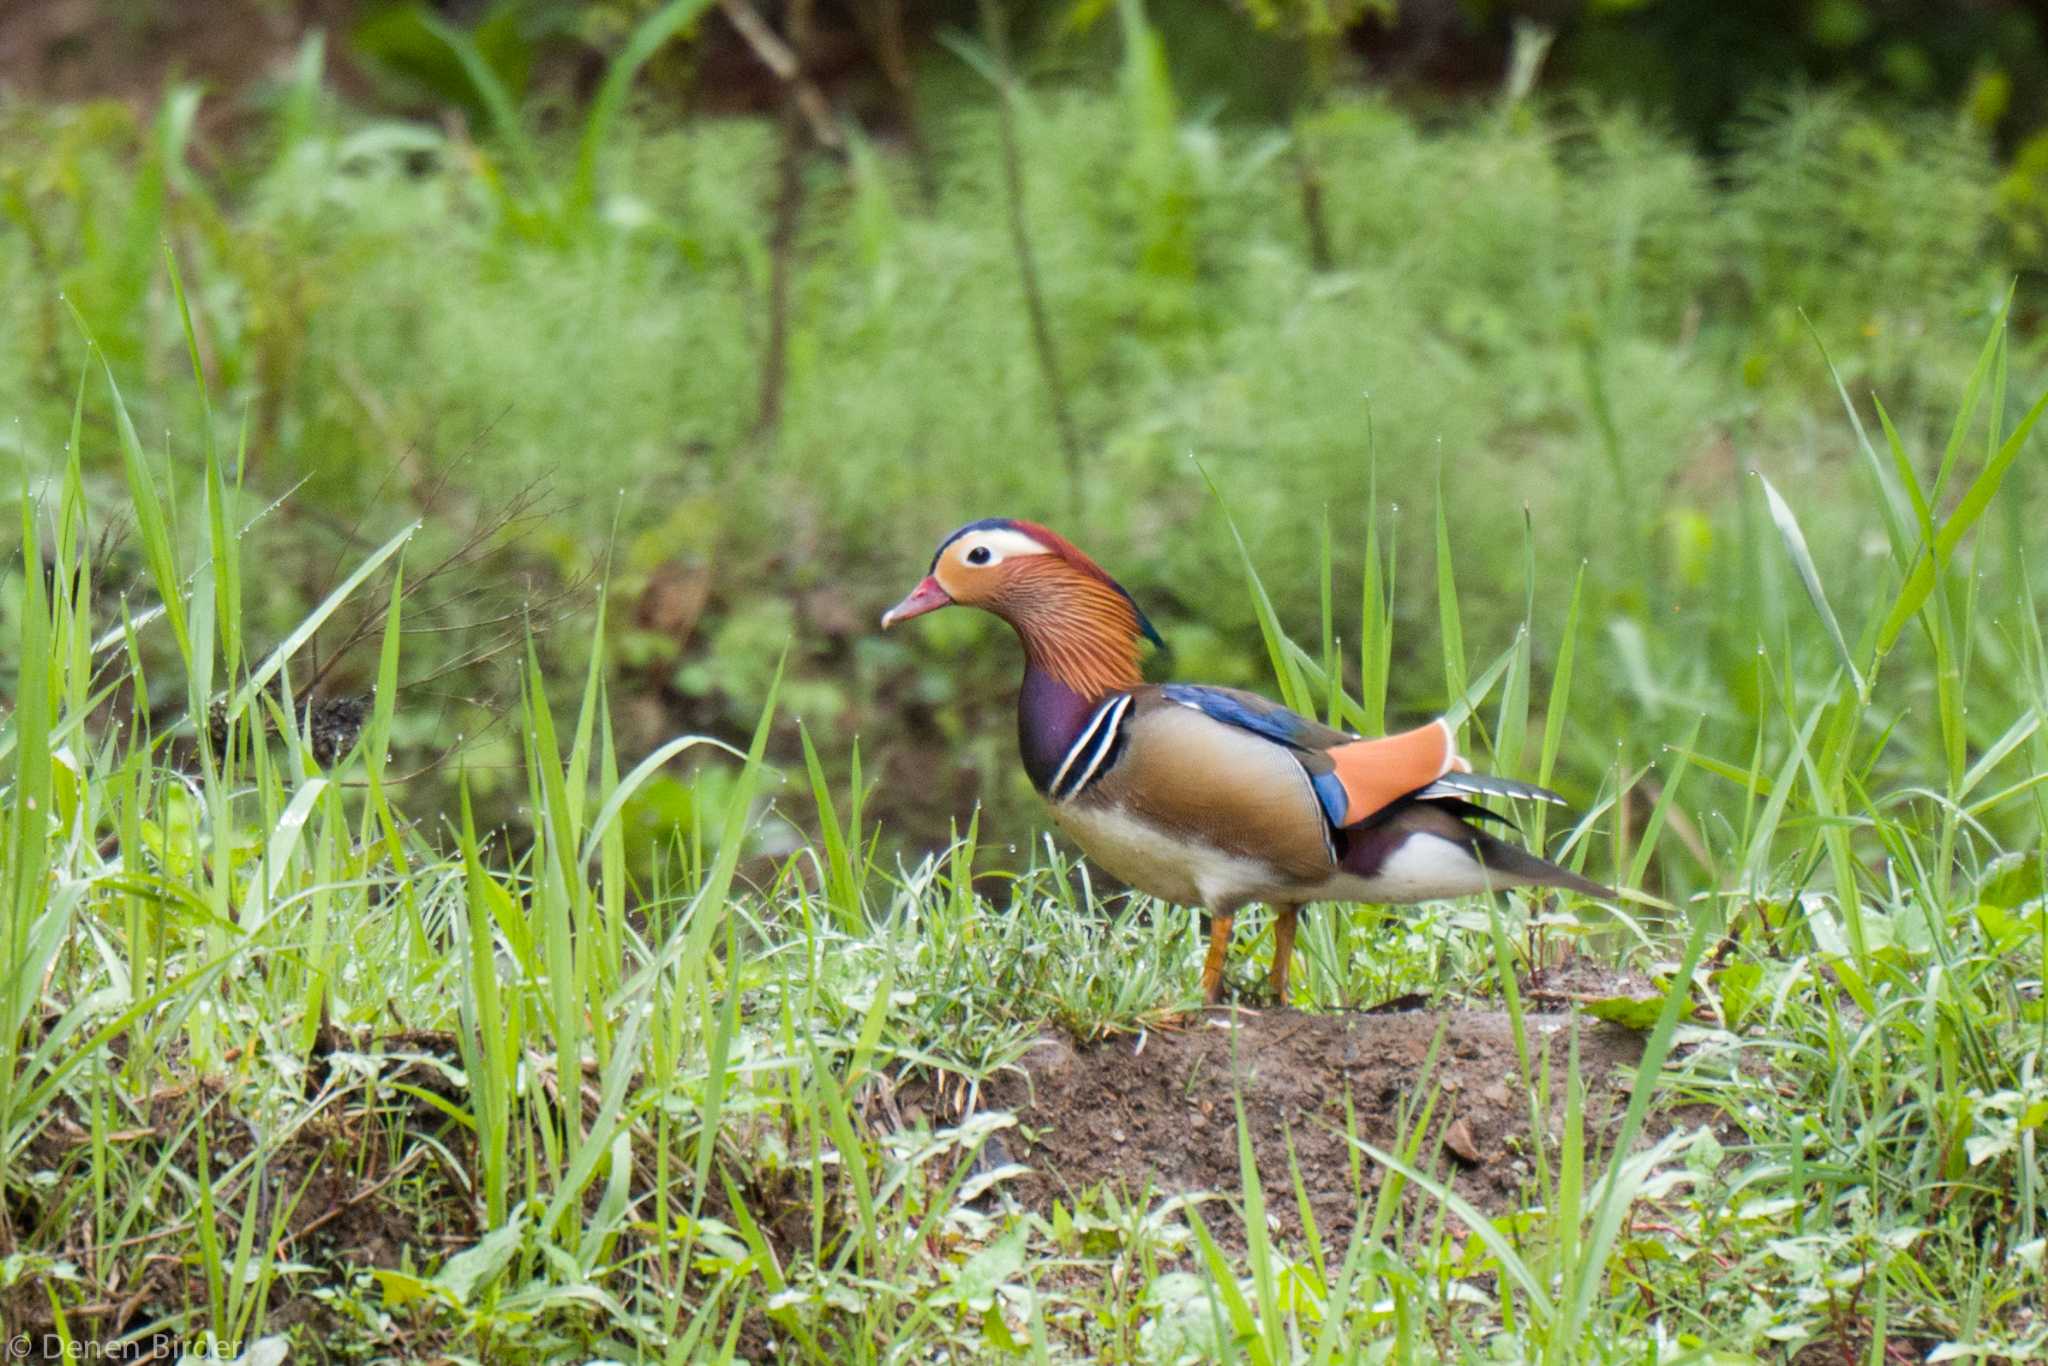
(1274, 722)
(1330, 792)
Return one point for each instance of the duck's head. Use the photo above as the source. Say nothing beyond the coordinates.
(1074, 619)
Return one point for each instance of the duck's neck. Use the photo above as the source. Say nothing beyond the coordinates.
(1050, 717)
(1071, 664)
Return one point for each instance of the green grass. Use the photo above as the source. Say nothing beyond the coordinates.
(528, 1029)
(601, 1113)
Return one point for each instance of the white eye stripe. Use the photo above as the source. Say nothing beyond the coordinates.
(1097, 739)
(1001, 543)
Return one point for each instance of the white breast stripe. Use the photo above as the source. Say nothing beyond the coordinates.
(1104, 745)
(1080, 743)
(1100, 733)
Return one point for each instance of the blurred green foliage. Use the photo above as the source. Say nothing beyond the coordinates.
(1557, 306)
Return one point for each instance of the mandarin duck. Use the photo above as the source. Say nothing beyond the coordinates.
(1210, 796)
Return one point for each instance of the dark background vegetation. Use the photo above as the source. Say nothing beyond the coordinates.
(1555, 259)
(1696, 65)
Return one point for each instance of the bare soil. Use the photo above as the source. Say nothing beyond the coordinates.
(1153, 1113)
(338, 1204)
(1156, 1112)
(92, 49)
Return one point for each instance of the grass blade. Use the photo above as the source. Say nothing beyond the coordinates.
(1809, 575)
(649, 38)
(1293, 691)
(305, 630)
(1449, 620)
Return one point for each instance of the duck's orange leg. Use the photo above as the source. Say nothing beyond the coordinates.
(1283, 951)
(1212, 966)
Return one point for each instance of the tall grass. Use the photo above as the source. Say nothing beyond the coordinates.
(1564, 303)
(1850, 1039)
(250, 999)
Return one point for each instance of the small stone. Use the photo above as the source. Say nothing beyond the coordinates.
(1498, 1094)
(1458, 1138)
(993, 1154)
(1048, 1056)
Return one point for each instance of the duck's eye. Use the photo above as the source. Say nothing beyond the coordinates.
(979, 555)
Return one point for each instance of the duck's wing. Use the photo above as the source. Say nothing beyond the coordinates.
(1222, 774)
(1209, 790)
(1354, 778)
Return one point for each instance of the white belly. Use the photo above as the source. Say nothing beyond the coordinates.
(1164, 864)
(1425, 868)
(1191, 873)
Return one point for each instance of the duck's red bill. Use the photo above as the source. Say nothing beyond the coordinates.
(926, 597)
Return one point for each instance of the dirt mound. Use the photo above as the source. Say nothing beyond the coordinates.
(1158, 1108)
